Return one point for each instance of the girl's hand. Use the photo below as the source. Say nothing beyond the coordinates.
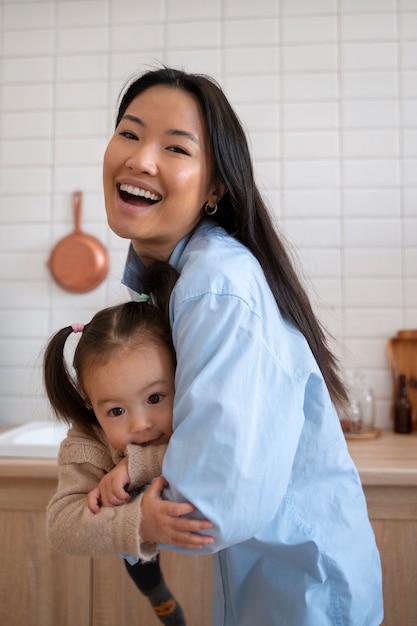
(162, 520)
(111, 490)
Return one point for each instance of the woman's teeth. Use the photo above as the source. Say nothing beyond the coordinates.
(136, 191)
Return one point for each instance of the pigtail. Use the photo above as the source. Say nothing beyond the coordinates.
(66, 400)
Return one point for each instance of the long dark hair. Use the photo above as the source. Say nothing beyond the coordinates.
(121, 327)
(242, 211)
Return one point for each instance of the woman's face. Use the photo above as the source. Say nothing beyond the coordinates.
(158, 171)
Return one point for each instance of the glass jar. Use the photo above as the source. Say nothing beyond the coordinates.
(358, 415)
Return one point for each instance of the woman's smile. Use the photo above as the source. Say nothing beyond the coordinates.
(135, 198)
(131, 194)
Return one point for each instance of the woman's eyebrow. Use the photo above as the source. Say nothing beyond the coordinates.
(183, 133)
(135, 119)
(170, 131)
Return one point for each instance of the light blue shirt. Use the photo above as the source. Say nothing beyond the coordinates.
(258, 449)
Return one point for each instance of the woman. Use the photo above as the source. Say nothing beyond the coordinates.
(257, 446)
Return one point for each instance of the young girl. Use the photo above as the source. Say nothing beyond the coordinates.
(119, 405)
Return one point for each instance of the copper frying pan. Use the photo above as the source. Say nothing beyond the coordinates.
(79, 262)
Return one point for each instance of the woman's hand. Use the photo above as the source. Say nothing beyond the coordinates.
(162, 520)
(111, 490)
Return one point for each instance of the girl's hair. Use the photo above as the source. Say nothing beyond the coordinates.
(122, 327)
(242, 211)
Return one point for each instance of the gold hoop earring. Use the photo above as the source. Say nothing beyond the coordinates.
(210, 210)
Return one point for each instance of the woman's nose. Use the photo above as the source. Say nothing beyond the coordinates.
(142, 159)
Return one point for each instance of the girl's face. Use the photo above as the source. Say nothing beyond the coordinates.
(132, 395)
(158, 171)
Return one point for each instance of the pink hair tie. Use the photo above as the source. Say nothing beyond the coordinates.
(77, 328)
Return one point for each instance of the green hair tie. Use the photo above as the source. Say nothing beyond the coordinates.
(144, 297)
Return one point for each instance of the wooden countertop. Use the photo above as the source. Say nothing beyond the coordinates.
(15, 467)
(389, 459)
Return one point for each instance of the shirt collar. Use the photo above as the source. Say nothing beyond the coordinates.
(133, 270)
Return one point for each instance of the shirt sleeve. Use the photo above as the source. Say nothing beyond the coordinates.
(237, 419)
(71, 527)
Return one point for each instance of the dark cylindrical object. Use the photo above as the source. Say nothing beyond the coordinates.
(402, 408)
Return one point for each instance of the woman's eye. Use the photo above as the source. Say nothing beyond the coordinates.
(116, 412)
(128, 135)
(178, 149)
(155, 398)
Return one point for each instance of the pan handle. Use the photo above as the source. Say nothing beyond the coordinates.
(77, 197)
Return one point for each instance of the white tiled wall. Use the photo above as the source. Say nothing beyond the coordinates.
(327, 90)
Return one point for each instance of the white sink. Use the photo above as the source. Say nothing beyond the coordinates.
(34, 439)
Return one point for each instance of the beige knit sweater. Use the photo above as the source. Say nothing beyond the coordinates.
(71, 527)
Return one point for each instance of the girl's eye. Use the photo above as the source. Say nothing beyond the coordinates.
(155, 398)
(116, 412)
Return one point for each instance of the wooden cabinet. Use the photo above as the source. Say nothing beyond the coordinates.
(42, 587)
(388, 469)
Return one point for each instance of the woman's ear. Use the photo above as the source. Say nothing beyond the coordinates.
(217, 193)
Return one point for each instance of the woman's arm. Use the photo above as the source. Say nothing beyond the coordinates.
(238, 414)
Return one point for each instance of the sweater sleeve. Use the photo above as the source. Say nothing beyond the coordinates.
(71, 527)
(144, 464)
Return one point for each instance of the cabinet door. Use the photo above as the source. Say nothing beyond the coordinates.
(397, 544)
(117, 602)
(393, 513)
(39, 586)
(190, 578)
